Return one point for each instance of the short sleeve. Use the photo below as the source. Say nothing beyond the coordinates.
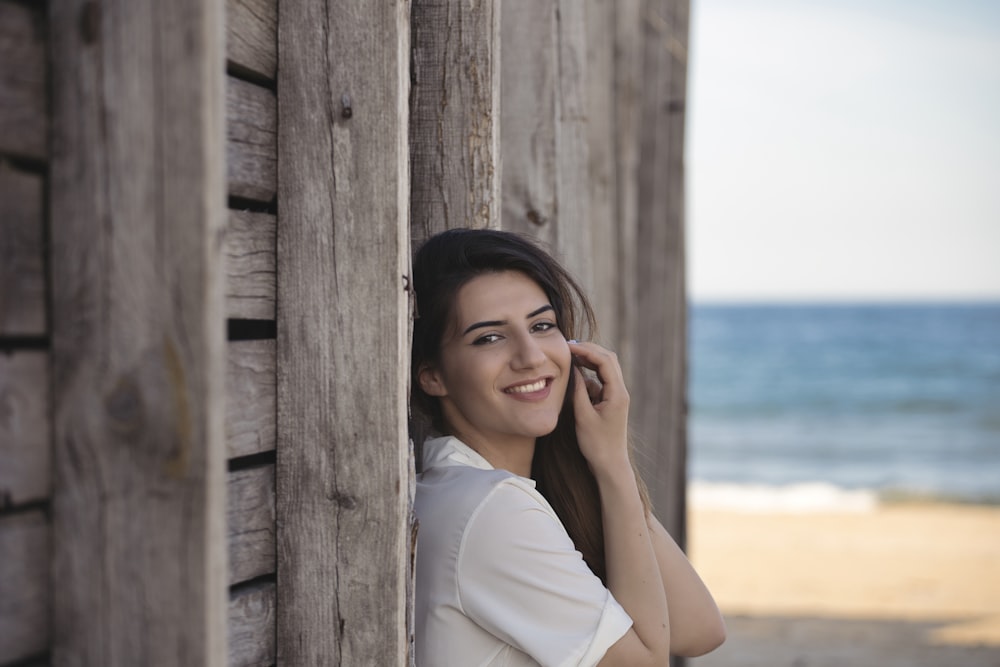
(521, 579)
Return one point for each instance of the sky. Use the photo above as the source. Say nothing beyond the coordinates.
(844, 150)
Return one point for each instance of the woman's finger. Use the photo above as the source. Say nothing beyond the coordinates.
(604, 363)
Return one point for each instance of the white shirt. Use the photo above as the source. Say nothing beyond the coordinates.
(499, 581)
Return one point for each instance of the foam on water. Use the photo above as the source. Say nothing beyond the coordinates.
(800, 498)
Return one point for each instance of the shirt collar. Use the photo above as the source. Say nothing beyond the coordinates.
(449, 451)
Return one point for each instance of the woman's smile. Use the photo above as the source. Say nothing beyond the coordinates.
(531, 391)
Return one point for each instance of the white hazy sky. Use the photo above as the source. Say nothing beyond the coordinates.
(844, 149)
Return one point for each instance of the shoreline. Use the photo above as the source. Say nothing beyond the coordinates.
(927, 574)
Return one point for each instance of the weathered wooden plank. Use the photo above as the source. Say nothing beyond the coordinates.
(25, 475)
(543, 127)
(628, 86)
(660, 337)
(22, 261)
(24, 586)
(343, 251)
(251, 132)
(250, 519)
(252, 626)
(252, 37)
(603, 267)
(23, 108)
(250, 256)
(251, 400)
(137, 185)
(454, 116)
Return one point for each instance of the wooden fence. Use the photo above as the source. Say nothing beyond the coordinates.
(207, 210)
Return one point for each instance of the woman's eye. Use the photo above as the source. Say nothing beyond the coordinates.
(487, 339)
(543, 326)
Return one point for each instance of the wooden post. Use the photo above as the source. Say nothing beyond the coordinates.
(543, 127)
(343, 464)
(137, 202)
(660, 409)
(455, 116)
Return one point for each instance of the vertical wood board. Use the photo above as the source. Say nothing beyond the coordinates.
(343, 501)
(455, 116)
(251, 626)
(138, 191)
(543, 128)
(661, 411)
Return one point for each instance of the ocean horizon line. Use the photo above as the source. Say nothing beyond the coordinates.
(936, 302)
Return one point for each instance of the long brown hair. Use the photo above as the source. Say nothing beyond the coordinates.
(442, 265)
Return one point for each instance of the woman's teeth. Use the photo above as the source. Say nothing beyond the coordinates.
(527, 388)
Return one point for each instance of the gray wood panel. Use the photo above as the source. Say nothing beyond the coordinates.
(543, 128)
(22, 260)
(660, 411)
(251, 133)
(343, 252)
(252, 641)
(250, 521)
(252, 36)
(455, 116)
(250, 256)
(24, 585)
(25, 473)
(23, 107)
(251, 402)
(137, 185)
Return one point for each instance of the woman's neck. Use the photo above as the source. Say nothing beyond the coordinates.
(512, 454)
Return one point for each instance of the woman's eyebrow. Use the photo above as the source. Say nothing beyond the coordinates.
(500, 323)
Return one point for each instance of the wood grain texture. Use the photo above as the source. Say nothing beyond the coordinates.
(660, 408)
(251, 626)
(25, 446)
(604, 268)
(251, 133)
(23, 104)
(343, 464)
(24, 586)
(251, 398)
(628, 87)
(137, 186)
(252, 37)
(250, 257)
(250, 520)
(454, 116)
(543, 128)
(22, 260)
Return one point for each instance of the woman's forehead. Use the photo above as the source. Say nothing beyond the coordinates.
(499, 296)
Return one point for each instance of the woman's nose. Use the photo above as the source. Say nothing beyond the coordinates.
(529, 353)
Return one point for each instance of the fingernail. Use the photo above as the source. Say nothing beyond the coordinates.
(571, 341)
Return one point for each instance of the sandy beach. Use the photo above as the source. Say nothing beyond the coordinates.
(911, 584)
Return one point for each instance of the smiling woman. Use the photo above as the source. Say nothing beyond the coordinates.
(536, 542)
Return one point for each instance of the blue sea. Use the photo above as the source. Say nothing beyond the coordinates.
(812, 406)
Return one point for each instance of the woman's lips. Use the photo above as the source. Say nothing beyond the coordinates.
(530, 391)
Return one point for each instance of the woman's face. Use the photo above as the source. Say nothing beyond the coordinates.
(504, 363)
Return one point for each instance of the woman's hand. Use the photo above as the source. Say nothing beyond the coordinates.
(601, 407)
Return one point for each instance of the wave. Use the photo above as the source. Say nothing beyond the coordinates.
(800, 498)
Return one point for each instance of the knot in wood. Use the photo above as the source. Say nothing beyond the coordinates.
(345, 106)
(347, 501)
(124, 406)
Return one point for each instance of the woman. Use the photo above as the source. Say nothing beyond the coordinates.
(535, 542)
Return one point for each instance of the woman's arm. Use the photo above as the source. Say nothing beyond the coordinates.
(696, 626)
(633, 573)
